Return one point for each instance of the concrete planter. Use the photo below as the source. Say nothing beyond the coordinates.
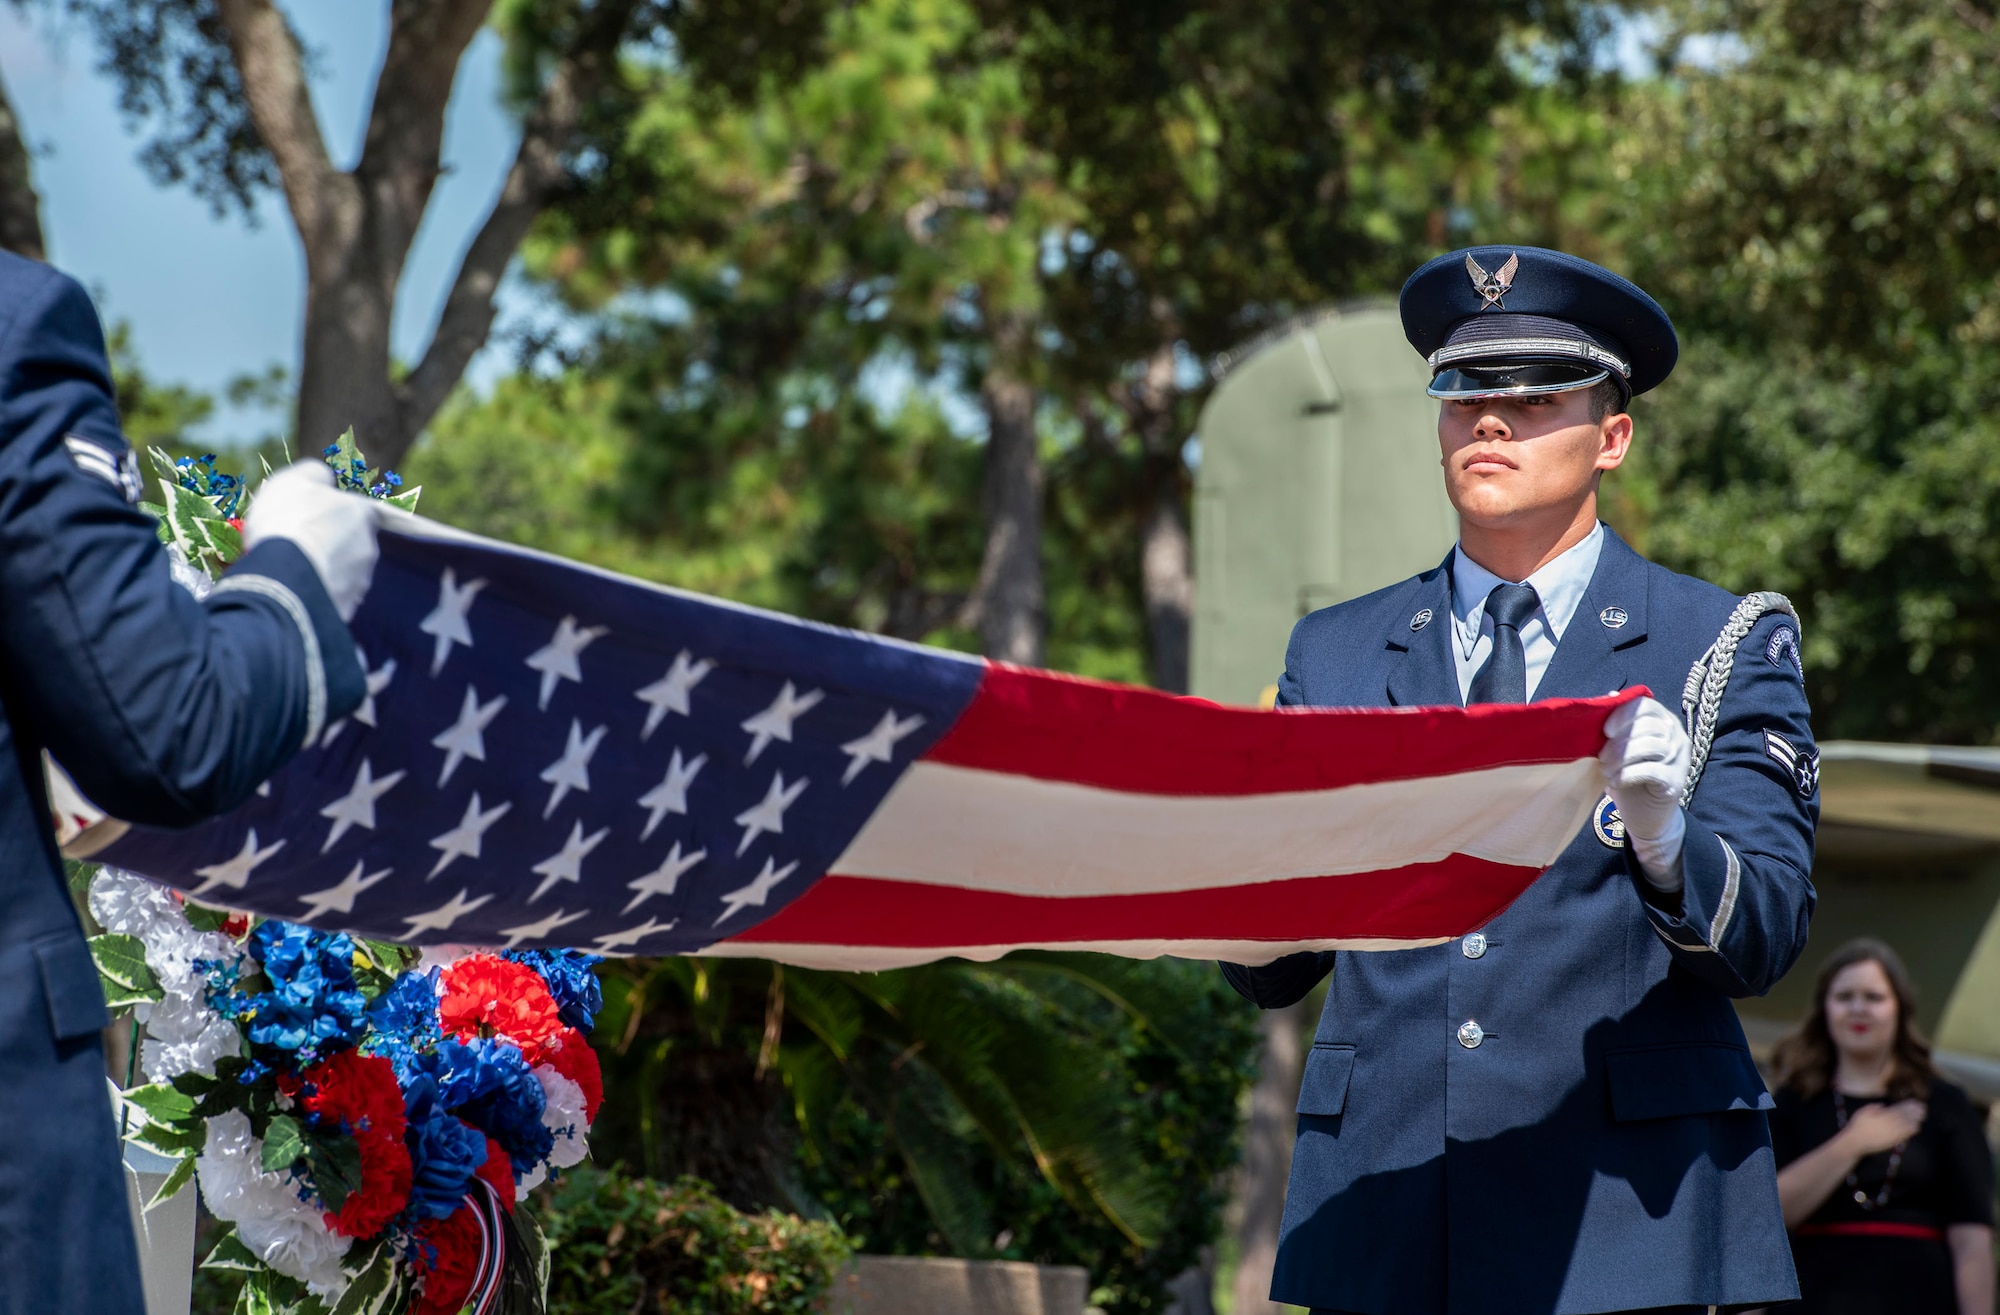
(918, 1285)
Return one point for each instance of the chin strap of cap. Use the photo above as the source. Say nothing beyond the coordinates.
(1701, 697)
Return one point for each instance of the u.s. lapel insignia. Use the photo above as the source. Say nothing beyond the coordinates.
(1420, 620)
(1614, 618)
(1803, 768)
(1609, 826)
(1492, 288)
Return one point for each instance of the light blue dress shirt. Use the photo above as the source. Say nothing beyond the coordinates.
(1560, 585)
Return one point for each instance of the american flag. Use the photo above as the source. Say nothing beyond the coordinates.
(553, 755)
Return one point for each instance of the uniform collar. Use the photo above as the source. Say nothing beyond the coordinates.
(1560, 585)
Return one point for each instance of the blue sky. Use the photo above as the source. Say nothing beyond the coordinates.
(209, 298)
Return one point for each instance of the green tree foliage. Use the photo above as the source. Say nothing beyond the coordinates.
(1058, 1108)
(1817, 204)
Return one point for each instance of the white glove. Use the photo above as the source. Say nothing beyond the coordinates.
(1645, 759)
(335, 530)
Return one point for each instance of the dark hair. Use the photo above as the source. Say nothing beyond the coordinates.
(1606, 399)
(1804, 1060)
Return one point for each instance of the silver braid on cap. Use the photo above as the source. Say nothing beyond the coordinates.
(1701, 697)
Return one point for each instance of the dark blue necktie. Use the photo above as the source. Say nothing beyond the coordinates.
(1504, 678)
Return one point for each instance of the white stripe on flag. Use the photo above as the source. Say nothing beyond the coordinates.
(958, 826)
(876, 958)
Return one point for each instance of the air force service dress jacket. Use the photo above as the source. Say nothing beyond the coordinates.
(1560, 1114)
(163, 709)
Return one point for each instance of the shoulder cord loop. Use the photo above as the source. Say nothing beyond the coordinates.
(1701, 697)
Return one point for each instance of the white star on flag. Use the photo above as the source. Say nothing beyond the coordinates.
(377, 681)
(540, 930)
(447, 621)
(770, 814)
(357, 806)
(878, 745)
(671, 794)
(567, 863)
(235, 872)
(557, 660)
(445, 914)
(757, 891)
(339, 899)
(572, 770)
(633, 935)
(663, 879)
(466, 737)
(670, 692)
(775, 722)
(462, 841)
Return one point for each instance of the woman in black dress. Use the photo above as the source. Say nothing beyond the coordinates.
(1884, 1172)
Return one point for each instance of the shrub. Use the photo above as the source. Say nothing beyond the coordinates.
(626, 1244)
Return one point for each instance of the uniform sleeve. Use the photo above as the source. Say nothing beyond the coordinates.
(1742, 920)
(163, 709)
(1288, 980)
(1281, 982)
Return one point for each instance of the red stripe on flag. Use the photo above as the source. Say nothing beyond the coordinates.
(1065, 728)
(1420, 902)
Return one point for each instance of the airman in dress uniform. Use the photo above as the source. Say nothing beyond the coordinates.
(1559, 1113)
(161, 708)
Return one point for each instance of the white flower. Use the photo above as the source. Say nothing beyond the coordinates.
(284, 1231)
(131, 905)
(563, 1114)
(183, 1035)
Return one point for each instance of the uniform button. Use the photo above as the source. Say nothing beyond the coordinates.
(1471, 1034)
(1474, 945)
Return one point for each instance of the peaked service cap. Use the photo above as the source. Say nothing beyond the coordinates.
(1494, 320)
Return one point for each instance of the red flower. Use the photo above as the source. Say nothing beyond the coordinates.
(236, 925)
(358, 1092)
(498, 1171)
(570, 1055)
(484, 995)
(448, 1255)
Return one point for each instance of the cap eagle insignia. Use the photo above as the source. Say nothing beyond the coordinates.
(1492, 288)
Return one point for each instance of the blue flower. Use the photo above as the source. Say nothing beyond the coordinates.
(575, 988)
(314, 1006)
(445, 1152)
(403, 1021)
(488, 1083)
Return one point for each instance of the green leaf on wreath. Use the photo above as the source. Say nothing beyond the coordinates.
(335, 1165)
(121, 962)
(163, 462)
(230, 1253)
(167, 1140)
(372, 1290)
(182, 1175)
(347, 452)
(536, 1244)
(225, 541)
(203, 918)
(406, 500)
(284, 1143)
(256, 1297)
(162, 1103)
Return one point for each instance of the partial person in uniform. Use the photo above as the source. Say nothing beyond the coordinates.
(1558, 1113)
(1884, 1170)
(162, 709)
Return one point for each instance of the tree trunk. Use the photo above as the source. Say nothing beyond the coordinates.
(1166, 574)
(1168, 582)
(344, 368)
(1267, 1160)
(20, 207)
(1008, 603)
